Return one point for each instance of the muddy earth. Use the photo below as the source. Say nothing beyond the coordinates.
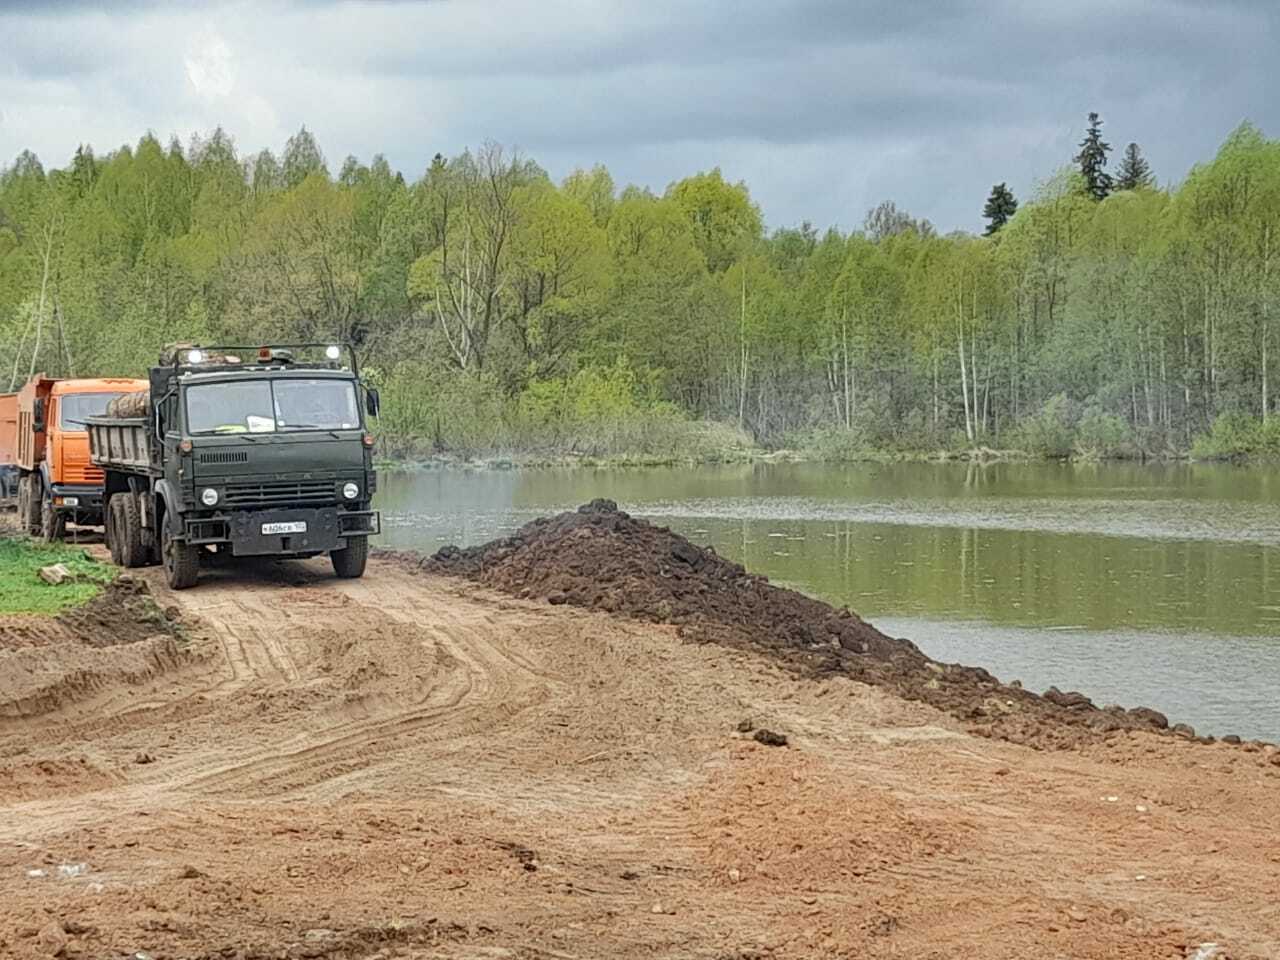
(671, 758)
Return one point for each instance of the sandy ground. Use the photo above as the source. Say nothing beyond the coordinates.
(415, 767)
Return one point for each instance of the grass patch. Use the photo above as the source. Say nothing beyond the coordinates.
(22, 590)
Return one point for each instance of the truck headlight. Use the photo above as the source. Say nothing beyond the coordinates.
(350, 490)
(209, 496)
(67, 501)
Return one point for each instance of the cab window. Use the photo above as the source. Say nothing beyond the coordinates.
(75, 408)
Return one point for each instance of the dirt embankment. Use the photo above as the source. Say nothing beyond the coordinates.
(122, 636)
(601, 558)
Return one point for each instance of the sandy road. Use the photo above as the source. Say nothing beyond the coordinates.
(406, 766)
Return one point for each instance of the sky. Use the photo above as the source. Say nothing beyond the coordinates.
(824, 108)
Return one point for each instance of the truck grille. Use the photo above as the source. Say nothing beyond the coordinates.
(81, 473)
(224, 456)
(288, 492)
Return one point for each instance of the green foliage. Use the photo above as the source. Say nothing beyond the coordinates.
(1134, 172)
(22, 590)
(498, 310)
(999, 208)
(1237, 435)
(725, 220)
(1051, 432)
(1092, 159)
(1101, 436)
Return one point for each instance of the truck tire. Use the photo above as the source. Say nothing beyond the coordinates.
(181, 561)
(24, 484)
(133, 552)
(150, 548)
(35, 497)
(111, 530)
(53, 525)
(29, 505)
(349, 563)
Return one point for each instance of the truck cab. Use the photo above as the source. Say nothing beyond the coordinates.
(265, 457)
(57, 480)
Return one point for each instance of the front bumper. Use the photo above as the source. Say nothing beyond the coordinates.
(87, 497)
(327, 528)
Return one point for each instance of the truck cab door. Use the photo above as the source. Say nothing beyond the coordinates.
(46, 413)
(168, 430)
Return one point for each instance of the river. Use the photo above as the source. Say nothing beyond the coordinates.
(1135, 584)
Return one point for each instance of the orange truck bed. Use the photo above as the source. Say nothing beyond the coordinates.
(8, 445)
(30, 442)
(8, 429)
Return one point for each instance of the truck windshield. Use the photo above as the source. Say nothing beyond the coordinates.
(268, 406)
(74, 408)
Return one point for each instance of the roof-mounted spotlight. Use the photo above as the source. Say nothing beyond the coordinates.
(195, 356)
(332, 351)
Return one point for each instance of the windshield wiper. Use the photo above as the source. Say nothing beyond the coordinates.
(312, 426)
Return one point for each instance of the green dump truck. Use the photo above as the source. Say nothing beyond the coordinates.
(245, 452)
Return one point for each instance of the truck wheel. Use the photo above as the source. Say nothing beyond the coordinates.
(24, 484)
(181, 561)
(30, 504)
(53, 525)
(349, 562)
(133, 553)
(111, 530)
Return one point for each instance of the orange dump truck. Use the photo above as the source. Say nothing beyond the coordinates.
(49, 445)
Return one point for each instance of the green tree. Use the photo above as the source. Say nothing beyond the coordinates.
(999, 208)
(885, 220)
(594, 189)
(725, 220)
(1134, 170)
(1092, 160)
(560, 274)
(302, 158)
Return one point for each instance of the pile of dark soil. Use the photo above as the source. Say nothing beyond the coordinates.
(124, 612)
(601, 558)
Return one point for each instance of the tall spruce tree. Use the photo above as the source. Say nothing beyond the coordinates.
(1134, 170)
(1000, 207)
(1093, 159)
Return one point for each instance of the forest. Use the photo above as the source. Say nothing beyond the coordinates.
(502, 313)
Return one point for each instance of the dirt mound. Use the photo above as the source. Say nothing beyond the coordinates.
(124, 612)
(119, 637)
(601, 558)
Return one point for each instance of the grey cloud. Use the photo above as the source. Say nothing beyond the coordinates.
(824, 107)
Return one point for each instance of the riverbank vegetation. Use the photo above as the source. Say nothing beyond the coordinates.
(500, 311)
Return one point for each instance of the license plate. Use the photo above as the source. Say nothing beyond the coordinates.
(291, 526)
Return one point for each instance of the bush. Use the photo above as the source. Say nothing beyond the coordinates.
(1236, 435)
(832, 444)
(1101, 436)
(1051, 432)
(599, 411)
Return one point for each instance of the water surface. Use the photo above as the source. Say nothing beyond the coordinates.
(1157, 585)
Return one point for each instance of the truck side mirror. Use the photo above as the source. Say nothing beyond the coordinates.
(372, 403)
(37, 414)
